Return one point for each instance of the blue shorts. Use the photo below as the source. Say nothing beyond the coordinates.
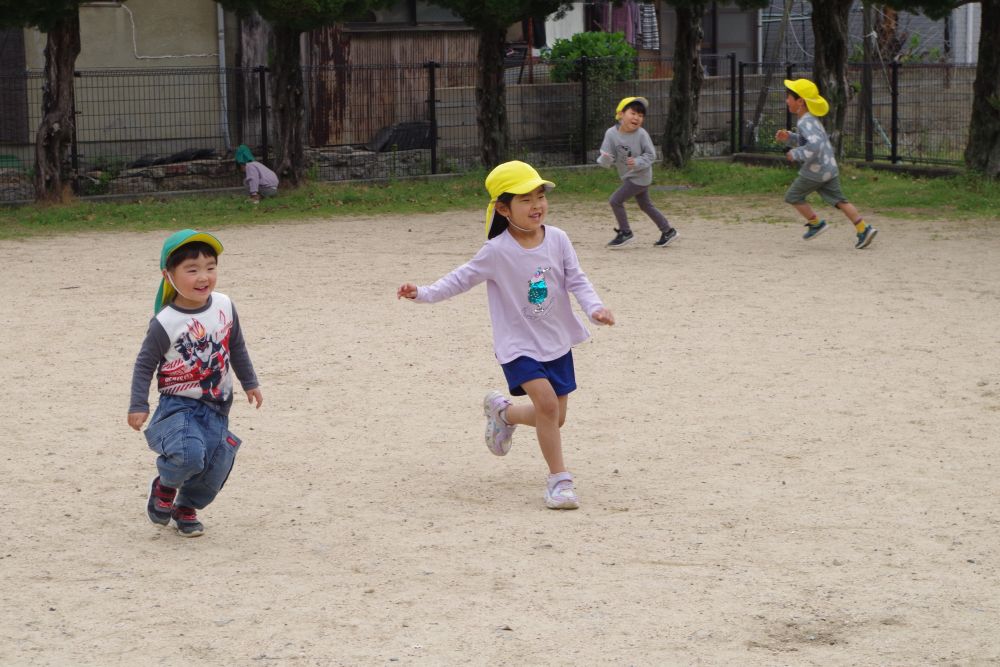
(559, 372)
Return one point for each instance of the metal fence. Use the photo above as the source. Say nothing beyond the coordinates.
(917, 113)
(158, 130)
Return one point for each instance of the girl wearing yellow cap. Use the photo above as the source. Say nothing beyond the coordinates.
(819, 173)
(628, 147)
(530, 269)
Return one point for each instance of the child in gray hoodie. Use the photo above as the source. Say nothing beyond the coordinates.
(627, 146)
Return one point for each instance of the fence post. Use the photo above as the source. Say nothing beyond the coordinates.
(261, 71)
(74, 151)
(583, 110)
(868, 99)
(740, 120)
(732, 101)
(894, 158)
(432, 112)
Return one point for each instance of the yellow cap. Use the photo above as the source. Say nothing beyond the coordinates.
(516, 178)
(808, 91)
(627, 101)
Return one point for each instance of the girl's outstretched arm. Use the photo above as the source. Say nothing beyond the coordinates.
(407, 291)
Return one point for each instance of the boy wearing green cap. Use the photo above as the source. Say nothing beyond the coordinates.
(628, 147)
(530, 269)
(819, 173)
(260, 181)
(194, 344)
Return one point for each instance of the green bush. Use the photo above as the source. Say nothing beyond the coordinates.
(610, 57)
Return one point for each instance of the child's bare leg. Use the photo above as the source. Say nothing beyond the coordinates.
(547, 412)
(848, 209)
(805, 210)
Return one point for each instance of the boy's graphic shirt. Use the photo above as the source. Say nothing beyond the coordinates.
(623, 145)
(193, 354)
(528, 292)
(812, 148)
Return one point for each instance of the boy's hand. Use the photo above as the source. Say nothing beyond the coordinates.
(137, 419)
(407, 291)
(630, 161)
(255, 395)
(781, 135)
(603, 316)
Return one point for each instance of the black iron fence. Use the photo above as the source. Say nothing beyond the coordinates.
(147, 131)
(915, 113)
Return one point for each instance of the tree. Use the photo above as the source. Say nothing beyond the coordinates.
(60, 21)
(289, 19)
(982, 152)
(685, 90)
(491, 18)
(829, 24)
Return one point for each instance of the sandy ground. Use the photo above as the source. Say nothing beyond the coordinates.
(786, 452)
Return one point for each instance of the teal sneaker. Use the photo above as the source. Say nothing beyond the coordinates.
(866, 237)
(813, 231)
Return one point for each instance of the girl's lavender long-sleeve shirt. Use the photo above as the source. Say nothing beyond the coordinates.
(257, 176)
(528, 292)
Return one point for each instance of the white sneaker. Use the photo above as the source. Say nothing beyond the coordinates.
(559, 492)
(498, 432)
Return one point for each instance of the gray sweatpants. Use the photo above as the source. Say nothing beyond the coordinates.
(641, 194)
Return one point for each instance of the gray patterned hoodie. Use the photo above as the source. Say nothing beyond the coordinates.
(812, 148)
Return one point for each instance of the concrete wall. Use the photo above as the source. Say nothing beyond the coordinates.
(540, 111)
(144, 33)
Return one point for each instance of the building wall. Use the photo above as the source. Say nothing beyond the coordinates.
(924, 39)
(144, 34)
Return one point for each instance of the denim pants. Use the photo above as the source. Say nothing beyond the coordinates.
(628, 190)
(196, 449)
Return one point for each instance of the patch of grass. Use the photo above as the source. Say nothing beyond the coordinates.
(712, 181)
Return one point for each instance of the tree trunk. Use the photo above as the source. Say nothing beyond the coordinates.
(829, 23)
(982, 153)
(255, 41)
(682, 115)
(55, 133)
(287, 94)
(491, 98)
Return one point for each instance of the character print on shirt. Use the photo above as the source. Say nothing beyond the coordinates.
(204, 361)
(538, 295)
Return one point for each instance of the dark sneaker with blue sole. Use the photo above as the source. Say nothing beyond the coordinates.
(866, 237)
(812, 231)
(186, 520)
(160, 503)
(666, 238)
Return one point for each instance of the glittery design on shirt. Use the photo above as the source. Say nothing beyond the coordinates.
(538, 292)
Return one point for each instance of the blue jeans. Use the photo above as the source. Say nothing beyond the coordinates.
(196, 449)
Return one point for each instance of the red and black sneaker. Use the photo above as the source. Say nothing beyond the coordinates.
(160, 503)
(187, 521)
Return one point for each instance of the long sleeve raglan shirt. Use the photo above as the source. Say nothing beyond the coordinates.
(191, 353)
(623, 145)
(528, 293)
(258, 175)
(812, 148)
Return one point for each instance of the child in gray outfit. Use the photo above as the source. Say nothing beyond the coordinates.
(627, 146)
